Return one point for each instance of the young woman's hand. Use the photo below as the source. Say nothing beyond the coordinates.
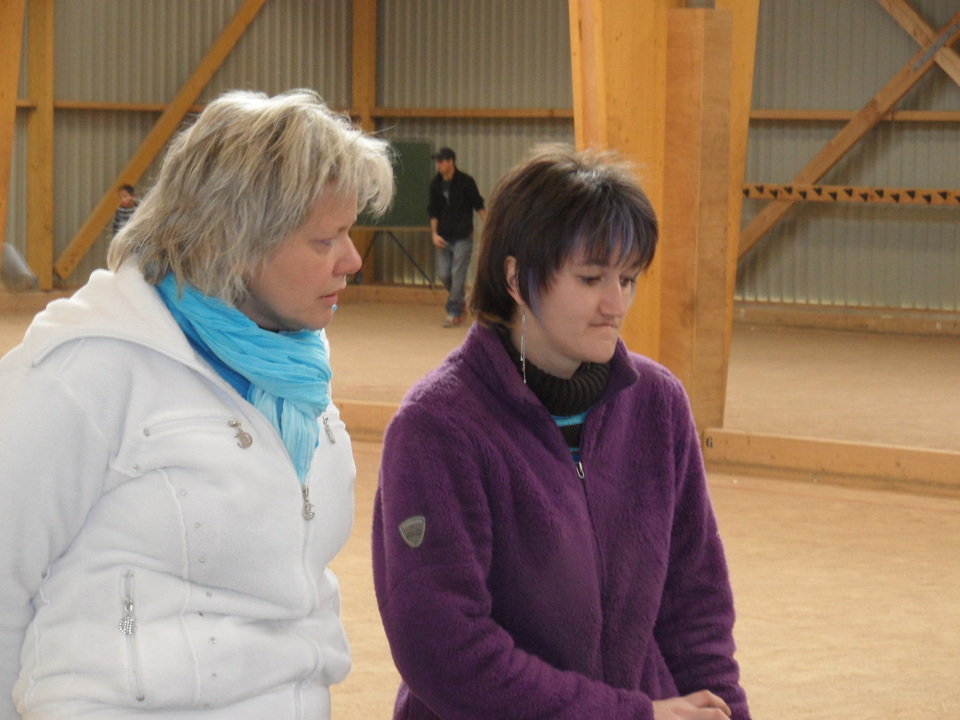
(703, 705)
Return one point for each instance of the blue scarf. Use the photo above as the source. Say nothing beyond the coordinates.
(285, 375)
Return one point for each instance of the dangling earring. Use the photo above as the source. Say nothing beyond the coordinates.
(523, 345)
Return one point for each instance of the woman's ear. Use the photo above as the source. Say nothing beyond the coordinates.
(510, 273)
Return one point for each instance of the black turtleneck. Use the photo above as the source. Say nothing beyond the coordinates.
(562, 398)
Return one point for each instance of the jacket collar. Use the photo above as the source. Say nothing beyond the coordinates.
(119, 305)
(484, 354)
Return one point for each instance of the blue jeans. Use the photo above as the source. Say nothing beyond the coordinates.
(453, 261)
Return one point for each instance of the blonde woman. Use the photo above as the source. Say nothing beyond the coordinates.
(175, 478)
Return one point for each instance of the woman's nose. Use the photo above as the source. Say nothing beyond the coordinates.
(351, 260)
(614, 300)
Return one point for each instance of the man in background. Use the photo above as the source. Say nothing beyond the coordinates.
(453, 198)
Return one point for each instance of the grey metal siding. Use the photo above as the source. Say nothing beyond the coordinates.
(822, 54)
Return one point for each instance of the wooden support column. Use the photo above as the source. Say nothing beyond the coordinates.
(696, 202)
(165, 127)
(745, 16)
(681, 110)
(364, 88)
(364, 100)
(11, 41)
(618, 50)
(40, 141)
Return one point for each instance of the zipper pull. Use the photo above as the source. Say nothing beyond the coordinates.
(308, 513)
(580, 469)
(244, 439)
(327, 429)
(128, 623)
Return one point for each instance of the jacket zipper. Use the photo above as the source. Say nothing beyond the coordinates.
(128, 626)
(581, 473)
(328, 430)
(244, 439)
(308, 513)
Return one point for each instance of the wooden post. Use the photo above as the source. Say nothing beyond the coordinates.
(11, 41)
(745, 16)
(696, 202)
(40, 203)
(364, 99)
(691, 165)
(618, 50)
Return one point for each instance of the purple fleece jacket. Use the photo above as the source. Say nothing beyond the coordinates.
(533, 593)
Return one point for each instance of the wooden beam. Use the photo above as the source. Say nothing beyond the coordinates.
(863, 121)
(852, 194)
(98, 106)
(864, 465)
(800, 115)
(860, 319)
(625, 110)
(40, 51)
(364, 84)
(475, 113)
(11, 41)
(696, 207)
(745, 15)
(589, 82)
(165, 127)
(909, 20)
(760, 114)
(364, 100)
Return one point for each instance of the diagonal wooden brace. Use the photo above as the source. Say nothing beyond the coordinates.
(165, 127)
(861, 123)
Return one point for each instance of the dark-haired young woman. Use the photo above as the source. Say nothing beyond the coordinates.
(544, 544)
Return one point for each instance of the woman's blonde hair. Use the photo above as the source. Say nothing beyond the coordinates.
(240, 180)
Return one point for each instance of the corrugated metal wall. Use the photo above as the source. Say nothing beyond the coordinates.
(471, 54)
(823, 54)
(474, 54)
(515, 54)
(142, 51)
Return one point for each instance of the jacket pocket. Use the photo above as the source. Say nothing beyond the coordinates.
(229, 427)
(128, 627)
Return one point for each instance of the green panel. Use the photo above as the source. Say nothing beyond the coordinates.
(413, 169)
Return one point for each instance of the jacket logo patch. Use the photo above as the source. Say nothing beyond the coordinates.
(413, 529)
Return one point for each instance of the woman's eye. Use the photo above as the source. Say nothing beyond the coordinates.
(628, 282)
(589, 279)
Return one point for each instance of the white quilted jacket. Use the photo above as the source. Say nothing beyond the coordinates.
(153, 550)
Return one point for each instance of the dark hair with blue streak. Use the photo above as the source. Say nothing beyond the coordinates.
(557, 205)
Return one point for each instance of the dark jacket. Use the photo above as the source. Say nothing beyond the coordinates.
(454, 216)
(536, 593)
